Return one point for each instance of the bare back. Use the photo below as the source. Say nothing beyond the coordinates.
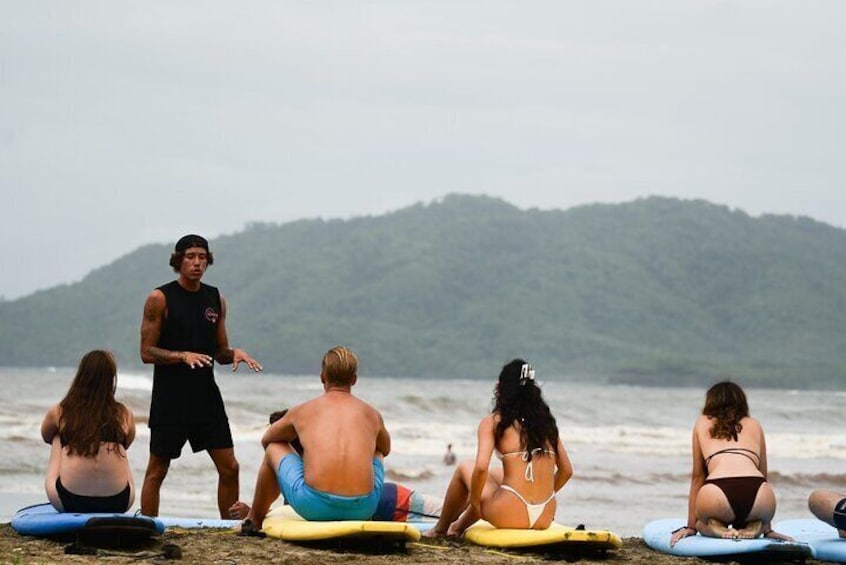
(107, 473)
(514, 467)
(746, 457)
(340, 435)
(548, 473)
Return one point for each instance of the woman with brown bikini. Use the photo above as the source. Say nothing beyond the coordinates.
(89, 432)
(729, 493)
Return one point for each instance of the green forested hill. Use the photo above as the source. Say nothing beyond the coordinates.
(657, 290)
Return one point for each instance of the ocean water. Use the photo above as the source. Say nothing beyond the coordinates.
(630, 446)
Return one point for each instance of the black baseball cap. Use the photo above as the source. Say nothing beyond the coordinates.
(189, 241)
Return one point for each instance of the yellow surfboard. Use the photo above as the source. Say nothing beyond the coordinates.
(285, 524)
(554, 538)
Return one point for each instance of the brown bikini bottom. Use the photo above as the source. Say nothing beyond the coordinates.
(93, 504)
(741, 493)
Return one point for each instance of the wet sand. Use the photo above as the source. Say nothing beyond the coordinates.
(226, 547)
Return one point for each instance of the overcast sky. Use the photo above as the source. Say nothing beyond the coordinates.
(125, 123)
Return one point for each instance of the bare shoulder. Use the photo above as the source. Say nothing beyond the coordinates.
(156, 302)
(375, 412)
(156, 295)
(128, 414)
(298, 409)
(489, 422)
(703, 422)
(365, 407)
(55, 412)
(363, 402)
(50, 424)
(305, 411)
(750, 423)
(702, 427)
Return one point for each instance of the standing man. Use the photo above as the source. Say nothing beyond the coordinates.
(183, 332)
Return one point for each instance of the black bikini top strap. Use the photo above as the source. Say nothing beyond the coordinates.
(748, 453)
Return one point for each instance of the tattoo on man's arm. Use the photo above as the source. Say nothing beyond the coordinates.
(160, 355)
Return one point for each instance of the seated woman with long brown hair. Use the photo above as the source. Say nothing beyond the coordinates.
(89, 432)
(729, 493)
(522, 432)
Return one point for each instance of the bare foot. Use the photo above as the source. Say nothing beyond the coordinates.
(249, 529)
(719, 530)
(433, 533)
(772, 534)
(239, 510)
(454, 532)
(751, 531)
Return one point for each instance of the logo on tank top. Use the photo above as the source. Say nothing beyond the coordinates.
(211, 315)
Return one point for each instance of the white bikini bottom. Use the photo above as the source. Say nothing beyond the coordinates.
(533, 510)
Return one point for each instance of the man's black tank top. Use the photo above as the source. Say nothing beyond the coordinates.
(182, 395)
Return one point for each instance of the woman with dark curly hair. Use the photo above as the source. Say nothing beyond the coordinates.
(89, 432)
(729, 493)
(522, 432)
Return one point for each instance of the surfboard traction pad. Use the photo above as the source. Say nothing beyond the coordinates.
(370, 545)
(373, 544)
(107, 533)
(774, 553)
(826, 544)
(116, 532)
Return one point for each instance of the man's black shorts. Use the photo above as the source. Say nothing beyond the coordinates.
(167, 441)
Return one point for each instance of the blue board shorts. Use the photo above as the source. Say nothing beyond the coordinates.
(313, 504)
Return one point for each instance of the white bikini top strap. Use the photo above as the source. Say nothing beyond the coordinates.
(530, 471)
(529, 475)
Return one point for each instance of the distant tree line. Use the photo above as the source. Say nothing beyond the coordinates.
(656, 291)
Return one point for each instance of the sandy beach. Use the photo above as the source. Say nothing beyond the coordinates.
(225, 547)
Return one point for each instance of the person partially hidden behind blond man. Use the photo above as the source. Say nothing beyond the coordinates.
(340, 474)
(830, 507)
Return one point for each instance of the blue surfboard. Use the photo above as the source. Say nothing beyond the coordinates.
(44, 520)
(657, 536)
(197, 523)
(825, 543)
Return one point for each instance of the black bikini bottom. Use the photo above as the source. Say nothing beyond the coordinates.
(90, 504)
(741, 493)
